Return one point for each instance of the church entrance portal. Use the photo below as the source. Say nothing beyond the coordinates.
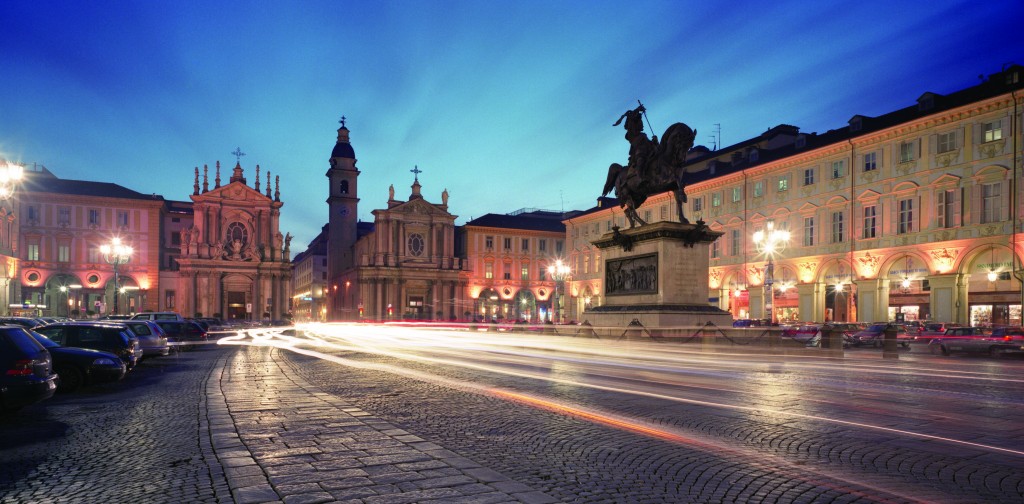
(236, 306)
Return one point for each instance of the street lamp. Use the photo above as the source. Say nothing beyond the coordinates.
(10, 174)
(558, 272)
(116, 254)
(769, 242)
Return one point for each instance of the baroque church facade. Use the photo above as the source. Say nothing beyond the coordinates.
(403, 266)
(229, 256)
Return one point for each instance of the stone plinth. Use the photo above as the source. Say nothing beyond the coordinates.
(657, 274)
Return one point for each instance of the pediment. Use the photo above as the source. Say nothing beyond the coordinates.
(808, 207)
(235, 191)
(947, 179)
(419, 207)
(906, 186)
(869, 194)
(837, 200)
(991, 171)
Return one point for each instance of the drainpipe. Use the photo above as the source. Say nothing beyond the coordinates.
(853, 238)
(1018, 272)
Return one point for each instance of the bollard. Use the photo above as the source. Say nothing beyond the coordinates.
(832, 340)
(707, 339)
(889, 350)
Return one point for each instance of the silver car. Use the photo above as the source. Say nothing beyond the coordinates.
(151, 337)
(974, 340)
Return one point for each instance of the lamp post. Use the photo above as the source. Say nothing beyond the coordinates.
(10, 174)
(558, 271)
(116, 254)
(769, 242)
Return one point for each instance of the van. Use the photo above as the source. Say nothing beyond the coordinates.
(163, 315)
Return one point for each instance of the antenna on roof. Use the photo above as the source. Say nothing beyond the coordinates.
(562, 199)
(718, 135)
(714, 142)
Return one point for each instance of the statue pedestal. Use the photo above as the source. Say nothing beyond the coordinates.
(656, 274)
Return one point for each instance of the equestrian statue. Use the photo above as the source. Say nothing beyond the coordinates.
(654, 167)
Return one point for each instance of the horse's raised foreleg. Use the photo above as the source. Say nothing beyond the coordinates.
(680, 195)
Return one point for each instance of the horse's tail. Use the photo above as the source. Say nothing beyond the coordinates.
(613, 175)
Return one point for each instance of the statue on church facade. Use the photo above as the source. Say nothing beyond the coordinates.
(653, 167)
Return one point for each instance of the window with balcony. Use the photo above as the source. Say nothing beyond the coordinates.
(990, 203)
(808, 231)
(906, 217)
(870, 221)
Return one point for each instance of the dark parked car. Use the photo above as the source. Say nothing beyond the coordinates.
(26, 369)
(81, 366)
(114, 338)
(25, 322)
(974, 340)
(183, 333)
(874, 335)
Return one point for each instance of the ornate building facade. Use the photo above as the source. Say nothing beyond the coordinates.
(309, 281)
(233, 258)
(404, 266)
(913, 214)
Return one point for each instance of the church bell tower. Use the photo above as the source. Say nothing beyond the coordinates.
(342, 201)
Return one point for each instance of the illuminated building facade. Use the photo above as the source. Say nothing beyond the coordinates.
(63, 224)
(913, 214)
(309, 281)
(508, 259)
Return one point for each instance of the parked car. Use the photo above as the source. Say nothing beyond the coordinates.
(808, 334)
(26, 369)
(81, 366)
(116, 318)
(184, 334)
(848, 329)
(158, 316)
(1009, 340)
(26, 322)
(874, 336)
(151, 336)
(933, 329)
(114, 338)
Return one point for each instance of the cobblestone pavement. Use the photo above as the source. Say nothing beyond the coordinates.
(280, 438)
(735, 455)
(137, 440)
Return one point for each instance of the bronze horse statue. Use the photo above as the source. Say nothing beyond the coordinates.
(654, 167)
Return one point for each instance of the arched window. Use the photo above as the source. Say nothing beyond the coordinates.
(344, 187)
(237, 231)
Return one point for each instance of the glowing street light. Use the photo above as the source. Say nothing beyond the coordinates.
(116, 254)
(559, 272)
(769, 242)
(10, 175)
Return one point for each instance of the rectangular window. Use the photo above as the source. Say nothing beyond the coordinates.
(698, 204)
(946, 142)
(508, 243)
(869, 221)
(525, 244)
(33, 252)
(63, 253)
(734, 243)
(992, 131)
(808, 231)
(489, 243)
(559, 245)
(870, 161)
(809, 176)
(94, 217)
(169, 300)
(906, 217)
(94, 254)
(507, 273)
(837, 227)
(783, 184)
(122, 218)
(647, 215)
(716, 199)
(608, 225)
(758, 188)
(33, 213)
(543, 274)
(176, 239)
(946, 210)
(664, 212)
(990, 203)
(737, 194)
(64, 216)
(488, 270)
(908, 152)
(839, 169)
(714, 249)
(525, 273)
(586, 264)
(542, 245)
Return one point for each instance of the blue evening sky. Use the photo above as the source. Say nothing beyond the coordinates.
(506, 104)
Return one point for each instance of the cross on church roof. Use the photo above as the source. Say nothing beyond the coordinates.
(342, 121)
(416, 172)
(238, 155)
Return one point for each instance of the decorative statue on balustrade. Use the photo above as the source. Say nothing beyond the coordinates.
(654, 167)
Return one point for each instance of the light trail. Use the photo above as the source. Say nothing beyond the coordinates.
(366, 347)
(289, 343)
